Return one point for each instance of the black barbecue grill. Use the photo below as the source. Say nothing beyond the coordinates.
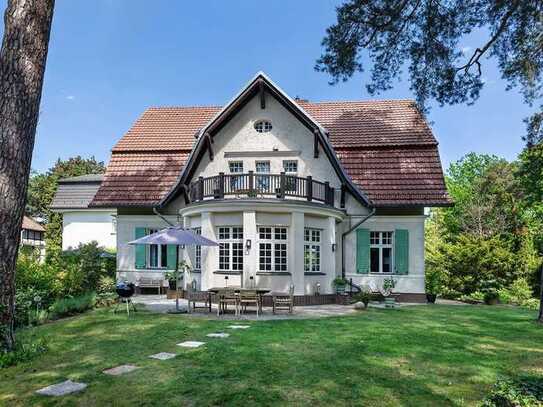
(125, 291)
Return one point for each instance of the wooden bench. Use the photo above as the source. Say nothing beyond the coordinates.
(145, 282)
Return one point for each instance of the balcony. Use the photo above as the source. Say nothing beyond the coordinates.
(261, 186)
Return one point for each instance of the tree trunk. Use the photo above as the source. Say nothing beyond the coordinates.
(540, 317)
(27, 25)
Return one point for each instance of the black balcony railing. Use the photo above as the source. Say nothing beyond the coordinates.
(251, 185)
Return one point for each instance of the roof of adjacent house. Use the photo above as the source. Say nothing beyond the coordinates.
(76, 192)
(31, 224)
(386, 148)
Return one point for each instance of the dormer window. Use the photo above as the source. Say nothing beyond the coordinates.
(263, 126)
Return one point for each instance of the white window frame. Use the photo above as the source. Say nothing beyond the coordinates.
(233, 242)
(197, 252)
(286, 163)
(235, 167)
(262, 183)
(312, 250)
(382, 240)
(277, 241)
(162, 263)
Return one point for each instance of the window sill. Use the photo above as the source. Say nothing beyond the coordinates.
(227, 272)
(196, 271)
(273, 273)
(314, 273)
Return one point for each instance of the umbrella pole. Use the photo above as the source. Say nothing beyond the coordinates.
(177, 278)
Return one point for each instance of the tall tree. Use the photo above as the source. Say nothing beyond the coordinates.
(425, 36)
(27, 26)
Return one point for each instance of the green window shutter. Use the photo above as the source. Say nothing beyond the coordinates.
(401, 251)
(140, 249)
(171, 257)
(362, 251)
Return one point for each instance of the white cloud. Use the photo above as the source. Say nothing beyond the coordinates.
(465, 50)
(70, 97)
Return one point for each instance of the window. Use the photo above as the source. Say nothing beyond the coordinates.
(272, 248)
(290, 166)
(381, 252)
(312, 250)
(197, 251)
(262, 182)
(263, 126)
(236, 167)
(157, 254)
(231, 248)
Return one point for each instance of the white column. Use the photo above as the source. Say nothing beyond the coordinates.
(250, 256)
(328, 260)
(209, 253)
(185, 253)
(296, 252)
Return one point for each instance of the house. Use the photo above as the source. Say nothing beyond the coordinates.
(80, 223)
(33, 237)
(295, 192)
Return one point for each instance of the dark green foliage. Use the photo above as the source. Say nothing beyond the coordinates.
(488, 240)
(425, 37)
(72, 305)
(525, 391)
(42, 189)
(23, 352)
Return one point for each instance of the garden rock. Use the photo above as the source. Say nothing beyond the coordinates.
(60, 389)
(359, 305)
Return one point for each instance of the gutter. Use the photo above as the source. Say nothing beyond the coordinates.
(344, 234)
(157, 213)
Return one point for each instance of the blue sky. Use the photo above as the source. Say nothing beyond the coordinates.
(110, 59)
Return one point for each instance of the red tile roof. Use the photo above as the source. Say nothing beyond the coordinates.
(31, 224)
(385, 146)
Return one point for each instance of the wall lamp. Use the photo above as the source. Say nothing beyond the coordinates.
(248, 244)
(334, 247)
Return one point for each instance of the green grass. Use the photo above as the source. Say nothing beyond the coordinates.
(418, 356)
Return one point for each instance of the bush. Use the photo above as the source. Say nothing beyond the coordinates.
(522, 392)
(23, 352)
(29, 303)
(364, 296)
(517, 293)
(106, 284)
(71, 306)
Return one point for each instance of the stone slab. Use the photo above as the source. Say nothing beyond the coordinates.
(218, 335)
(61, 389)
(191, 344)
(239, 326)
(163, 356)
(119, 370)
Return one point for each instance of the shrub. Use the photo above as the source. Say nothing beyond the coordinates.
(106, 284)
(522, 392)
(517, 293)
(71, 306)
(434, 280)
(28, 304)
(364, 296)
(23, 352)
(106, 299)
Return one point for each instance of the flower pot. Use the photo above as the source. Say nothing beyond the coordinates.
(172, 284)
(340, 289)
(431, 298)
(491, 301)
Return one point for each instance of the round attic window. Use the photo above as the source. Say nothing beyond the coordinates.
(263, 126)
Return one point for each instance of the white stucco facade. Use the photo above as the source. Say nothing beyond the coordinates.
(87, 225)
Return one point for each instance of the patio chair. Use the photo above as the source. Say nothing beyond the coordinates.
(284, 301)
(195, 297)
(249, 297)
(225, 297)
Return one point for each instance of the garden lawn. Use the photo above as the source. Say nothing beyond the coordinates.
(421, 355)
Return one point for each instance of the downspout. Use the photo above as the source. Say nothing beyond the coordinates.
(343, 235)
(157, 213)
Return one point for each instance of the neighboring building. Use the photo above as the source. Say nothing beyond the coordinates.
(81, 224)
(282, 185)
(33, 236)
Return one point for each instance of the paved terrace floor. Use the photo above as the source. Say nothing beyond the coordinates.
(161, 304)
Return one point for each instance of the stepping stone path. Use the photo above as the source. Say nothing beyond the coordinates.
(191, 344)
(60, 389)
(119, 370)
(218, 335)
(163, 356)
(239, 326)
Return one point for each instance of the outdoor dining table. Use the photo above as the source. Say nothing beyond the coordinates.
(259, 291)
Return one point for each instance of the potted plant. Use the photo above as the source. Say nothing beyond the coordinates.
(339, 283)
(388, 285)
(433, 284)
(364, 297)
(172, 280)
(491, 297)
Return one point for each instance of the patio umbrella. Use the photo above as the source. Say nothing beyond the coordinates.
(175, 235)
